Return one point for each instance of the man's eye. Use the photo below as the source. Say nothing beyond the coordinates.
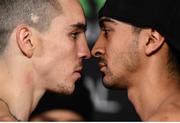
(75, 35)
(106, 32)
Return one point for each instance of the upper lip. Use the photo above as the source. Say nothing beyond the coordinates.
(79, 69)
(102, 64)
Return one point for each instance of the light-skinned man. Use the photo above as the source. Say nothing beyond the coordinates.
(42, 47)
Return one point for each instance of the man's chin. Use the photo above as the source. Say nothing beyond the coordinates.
(112, 84)
(69, 91)
(108, 83)
(66, 89)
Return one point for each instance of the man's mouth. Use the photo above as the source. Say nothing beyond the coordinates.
(79, 69)
(78, 72)
(102, 66)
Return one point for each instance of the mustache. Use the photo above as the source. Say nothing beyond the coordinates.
(79, 65)
(102, 61)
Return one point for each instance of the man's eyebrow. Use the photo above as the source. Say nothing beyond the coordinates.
(80, 26)
(105, 19)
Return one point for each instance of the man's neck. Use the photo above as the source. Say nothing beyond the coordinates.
(5, 113)
(151, 93)
(18, 93)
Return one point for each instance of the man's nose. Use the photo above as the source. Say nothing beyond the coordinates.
(87, 54)
(98, 49)
(97, 52)
(84, 51)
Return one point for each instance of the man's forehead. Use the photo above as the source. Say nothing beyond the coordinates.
(74, 22)
(108, 19)
(103, 21)
(73, 10)
(70, 4)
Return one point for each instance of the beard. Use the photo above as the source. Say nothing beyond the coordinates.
(127, 63)
(65, 88)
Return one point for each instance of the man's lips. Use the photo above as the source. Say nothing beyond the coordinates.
(79, 69)
(77, 72)
(102, 66)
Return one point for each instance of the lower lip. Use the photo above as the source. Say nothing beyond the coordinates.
(103, 69)
(77, 75)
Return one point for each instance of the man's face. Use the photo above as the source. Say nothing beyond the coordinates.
(117, 48)
(62, 48)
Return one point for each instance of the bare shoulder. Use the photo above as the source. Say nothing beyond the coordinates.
(168, 112)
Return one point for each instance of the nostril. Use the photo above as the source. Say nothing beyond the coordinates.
(86, 56)
(97, 54)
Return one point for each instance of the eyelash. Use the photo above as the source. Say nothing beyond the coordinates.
(75, 35)
(106, 32)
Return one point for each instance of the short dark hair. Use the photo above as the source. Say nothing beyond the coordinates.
(15, 12)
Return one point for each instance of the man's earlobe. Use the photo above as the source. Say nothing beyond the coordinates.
(154, 42)
(24, 41)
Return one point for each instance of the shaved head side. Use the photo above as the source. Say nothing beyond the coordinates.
(35, 13)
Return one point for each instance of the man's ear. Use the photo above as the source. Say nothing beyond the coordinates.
(154, 42)
(24, 40)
